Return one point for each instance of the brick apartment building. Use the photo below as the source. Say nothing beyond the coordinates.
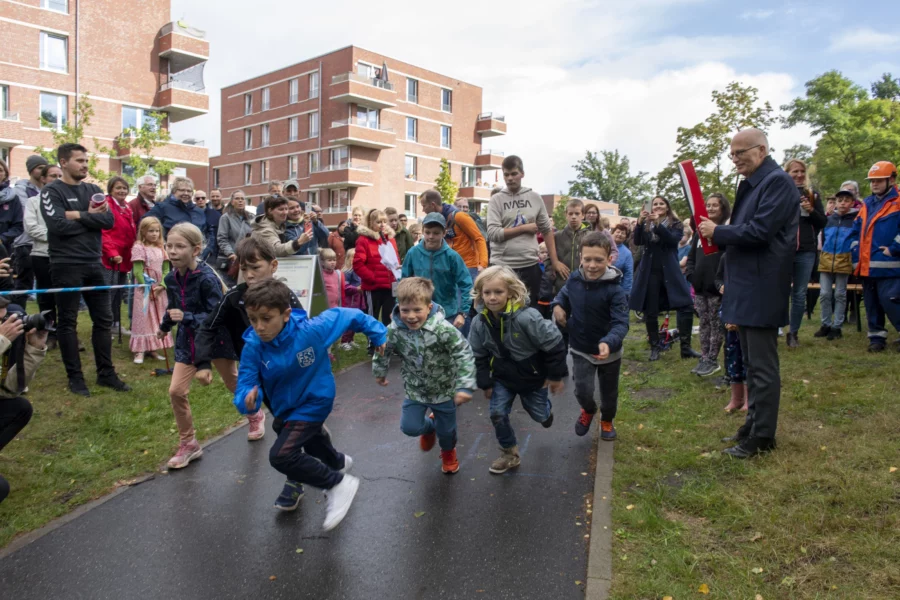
(355, 128)
(128, 62)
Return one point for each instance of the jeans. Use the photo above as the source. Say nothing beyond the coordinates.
(759, 348)
(803, 267)
(83, 275)
(536, 404)
(304, 453)
(877, 296)
(584, 372)
(836, 319)
(413, 421)
(14, 416)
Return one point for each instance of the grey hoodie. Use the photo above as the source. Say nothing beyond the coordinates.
(507, 210)
(21, 188)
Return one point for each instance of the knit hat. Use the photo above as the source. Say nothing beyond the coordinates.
(34, 161)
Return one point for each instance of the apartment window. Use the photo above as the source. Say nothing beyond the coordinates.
(314, 85)
(136, 118)
(313, 162)
(410, 167)
(469, 176)
(264, 135)
(409, 205)
(54, 110)
(56, 5)
(412, 90)
(4, 101)
(293, 129)
(446, 100)
(4, 154)
(365, 70)
(248, 104)
(314, 124)
(263, 171)
(216, 178)
(292, 167)
(312, 197)
(339, 201)
(412, 129)
(54, 54)
(248, 139)
(340, 156)
(294, 90)
(367, 117)
(248, 174)
(265, 99)
(445, 136)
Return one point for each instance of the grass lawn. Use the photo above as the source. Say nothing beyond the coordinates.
(77, 449)
(818, 518)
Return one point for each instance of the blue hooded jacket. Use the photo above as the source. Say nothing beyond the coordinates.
(172, 211)
(447, 271)
(597, 312)
(294, 370)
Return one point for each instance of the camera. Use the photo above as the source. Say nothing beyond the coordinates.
(41, 321)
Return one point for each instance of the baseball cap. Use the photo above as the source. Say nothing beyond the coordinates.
(291, 183)
(844, 193)
(434, 217)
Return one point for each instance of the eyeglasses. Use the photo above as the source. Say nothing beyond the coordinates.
(199, 197)
(740, 153)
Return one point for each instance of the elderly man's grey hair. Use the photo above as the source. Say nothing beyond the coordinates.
(146, 180)
(853, 185)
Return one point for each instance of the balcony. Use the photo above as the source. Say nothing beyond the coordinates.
(488, 159)
(367, 91)
(183, 46)
(475, 192)
(490, 124)
(356, 132)
(343, 175)
(12, 131)
(182, 99)
(183, 155)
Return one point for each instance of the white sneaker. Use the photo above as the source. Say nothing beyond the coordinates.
(346, 347)
(348, 464)
(139, 359)
(340, 497)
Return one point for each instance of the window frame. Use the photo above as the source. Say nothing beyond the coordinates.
(265, 99)
(341, 207)
(45, 37)
(4, 101)
(143, 117)
(410, 200)
(447, 107)
(449, 131)
(248, 139)
(47, 5)
(60, 110)
(313, 158)
(293, 166)
(314, 90)
(415, 135)
(293, 129)
(342, 153)
(314, 119)
(248, 104)
(215, 178)
(415, 96)
(264, 171)
(294, 91)
(264, 132)
(415, 167)
(248, 174)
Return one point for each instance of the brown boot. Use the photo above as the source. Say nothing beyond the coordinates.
(737, 397)
(509, 459)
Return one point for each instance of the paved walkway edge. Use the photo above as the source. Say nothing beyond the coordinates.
(599, 571)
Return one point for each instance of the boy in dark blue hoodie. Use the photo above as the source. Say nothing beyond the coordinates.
(592, 305)
(287, 354)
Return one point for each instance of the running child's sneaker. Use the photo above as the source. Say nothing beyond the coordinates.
(348, 464)
(187, 451)
(449, 464)
(340, 497)
(583, 424)
(509, 459)
(607, 431)
(290, 496)
(257, 426)
(346, 347)
(427, 440)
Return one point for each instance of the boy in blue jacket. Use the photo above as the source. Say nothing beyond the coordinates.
(287, 354)
(593, 307)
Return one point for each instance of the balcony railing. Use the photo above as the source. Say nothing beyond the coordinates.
(489, 116)
(386, 85)
(344, 164)
(361, 123)
(9, 116)
(490, 152)
(182, 27)
(190, 86)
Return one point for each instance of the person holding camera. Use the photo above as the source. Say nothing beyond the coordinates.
(15, 411)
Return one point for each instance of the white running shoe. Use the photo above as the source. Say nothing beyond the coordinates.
(340, 497)
(348, 464)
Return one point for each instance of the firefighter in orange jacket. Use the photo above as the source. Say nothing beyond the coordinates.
(877, 257)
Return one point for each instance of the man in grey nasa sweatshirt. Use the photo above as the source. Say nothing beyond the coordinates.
(515, 216)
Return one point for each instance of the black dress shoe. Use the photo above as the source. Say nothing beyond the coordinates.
(654, 353)
(738, 438)
(114, 382)
(78, 386)
(688, 352)
(751, 447)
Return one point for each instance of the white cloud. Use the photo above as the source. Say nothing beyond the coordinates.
(862, 39)
(570, 75)
(759, 15)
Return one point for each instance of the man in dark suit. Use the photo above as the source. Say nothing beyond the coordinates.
(759, 248)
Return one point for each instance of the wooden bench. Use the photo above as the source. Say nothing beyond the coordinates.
(854, 292)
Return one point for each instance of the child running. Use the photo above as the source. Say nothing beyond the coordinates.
(438, 368)
(285, 359)
(517, 352)
(194, 290)
(148, 259)
(593, 309)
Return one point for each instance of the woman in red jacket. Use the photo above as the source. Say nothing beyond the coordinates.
(377, 262)
(117, 243)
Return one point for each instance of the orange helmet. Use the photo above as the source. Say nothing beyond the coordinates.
(882, 170)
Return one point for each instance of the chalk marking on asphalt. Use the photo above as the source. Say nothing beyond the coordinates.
(525, 446)
(473, 451)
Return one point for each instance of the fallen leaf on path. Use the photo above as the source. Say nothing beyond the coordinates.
(299, 550)
(892, 470)
(806, 382)
(577, 582)
(629, 507)
(419, 514)
(756, 570)
(758, 597)
(641, 426)
(667, 598)
(756, 537)
(272, 578)
(824, 448)
(703, 589)
(585, 474)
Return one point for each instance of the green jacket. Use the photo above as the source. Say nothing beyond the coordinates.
(437, 359)
(568, 250)
(404, 241)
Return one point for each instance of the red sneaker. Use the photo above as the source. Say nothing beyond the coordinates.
(583, 424)
(449, 463)
(427, 440)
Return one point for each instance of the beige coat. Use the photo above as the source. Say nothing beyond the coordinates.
(33, 358)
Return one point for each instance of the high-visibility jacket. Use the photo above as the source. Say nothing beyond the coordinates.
(878, 225)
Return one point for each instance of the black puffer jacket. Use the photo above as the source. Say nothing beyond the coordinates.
(811, 224)
(701, 269)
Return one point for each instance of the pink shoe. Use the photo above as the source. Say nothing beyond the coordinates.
(257, 426)
(186, 453)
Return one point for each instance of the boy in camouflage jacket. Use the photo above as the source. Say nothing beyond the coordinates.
(438, 368)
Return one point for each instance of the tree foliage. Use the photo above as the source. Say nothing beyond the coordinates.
(607, 176)
(708, 143)
(444, 183)
(559, 212)
(856, 129)
(72, 132)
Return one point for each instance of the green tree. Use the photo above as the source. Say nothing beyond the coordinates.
(140, 142)
(886, 88)
(855, 129)
(559, 212)
(709, 142)
(444, 184)
(72, 132)
(607, 176)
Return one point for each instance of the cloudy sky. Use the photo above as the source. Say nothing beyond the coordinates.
(570, 75)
